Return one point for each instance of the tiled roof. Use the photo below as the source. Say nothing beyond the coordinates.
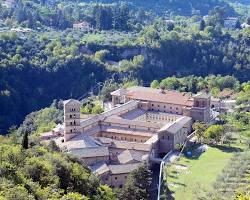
(90, 152)
(175, 126)
(78, 142)
(127, 132)
(131, 145)
(129, 155)
(99, 168)
(118, 120)
(202, 95)
(119, 92)
(157, 95)
(183, 120)
(123, 169)
(152, 140)
(71, 101)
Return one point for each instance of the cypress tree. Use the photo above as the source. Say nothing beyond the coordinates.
(202, 25)
(25, 142)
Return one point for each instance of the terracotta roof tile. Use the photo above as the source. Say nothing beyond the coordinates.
(166, 96)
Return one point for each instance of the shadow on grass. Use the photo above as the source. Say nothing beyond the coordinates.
(228, 149)
(172, 176)
(179, 184)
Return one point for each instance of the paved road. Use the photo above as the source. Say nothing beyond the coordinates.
(155, 181)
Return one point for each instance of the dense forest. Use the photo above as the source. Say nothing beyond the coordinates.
(44, 56)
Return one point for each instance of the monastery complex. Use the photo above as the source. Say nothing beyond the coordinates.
(143, 124)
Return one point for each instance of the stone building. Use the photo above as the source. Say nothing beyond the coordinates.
(143, 124)
(181, 103)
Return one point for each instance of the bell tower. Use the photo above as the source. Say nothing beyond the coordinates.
(201, 108)
(71, 118)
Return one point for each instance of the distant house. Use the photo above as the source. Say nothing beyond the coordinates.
(8, 3)
(215, 102)
(245, 25)
(227, 94)
(230, 22)
(82, 25)
(21, 30)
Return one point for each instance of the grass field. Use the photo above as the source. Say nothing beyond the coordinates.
(200, 171)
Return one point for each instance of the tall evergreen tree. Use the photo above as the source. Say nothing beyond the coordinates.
(202, 25)
(25, 141)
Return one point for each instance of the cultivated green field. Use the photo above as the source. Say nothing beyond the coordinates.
(198, 172)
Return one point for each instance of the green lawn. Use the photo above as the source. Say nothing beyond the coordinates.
(202, 171)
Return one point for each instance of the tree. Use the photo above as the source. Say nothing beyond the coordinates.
(121, 17)
(202, 25)
(73, 196)
(138, 184)
(248, 143)
(214, 132)
(101, 55)
(248, 21)
(25, 141)
(150, 35)
(199, 128)
(217, 16)
(97, 109)
(170, 26)
(155, 84)
(171, 83)
(238, 25)
(228, 138)
(104, 193)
